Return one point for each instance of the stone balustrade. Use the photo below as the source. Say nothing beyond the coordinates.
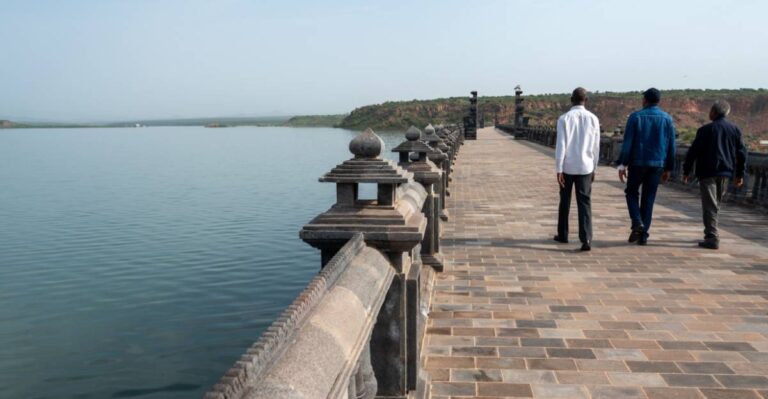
(356, 330)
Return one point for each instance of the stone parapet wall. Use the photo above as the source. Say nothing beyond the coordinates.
(356, 331)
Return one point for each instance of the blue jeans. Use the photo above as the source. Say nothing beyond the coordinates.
(640, 203)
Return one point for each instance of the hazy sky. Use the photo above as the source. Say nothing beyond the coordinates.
(100, 59)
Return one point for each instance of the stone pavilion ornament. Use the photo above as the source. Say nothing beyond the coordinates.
(393, 222)
(413, 157)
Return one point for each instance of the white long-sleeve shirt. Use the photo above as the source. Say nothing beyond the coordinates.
(578, 142)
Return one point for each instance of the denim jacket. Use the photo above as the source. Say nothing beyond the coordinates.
(649, 139)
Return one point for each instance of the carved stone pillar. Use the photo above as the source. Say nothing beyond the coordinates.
(393, 224)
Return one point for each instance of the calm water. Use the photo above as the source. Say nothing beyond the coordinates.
(142, 262)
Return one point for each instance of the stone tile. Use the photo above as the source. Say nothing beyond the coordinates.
(446, 362)
(550, 364)
(730, 346)
(518, 332)
(543, 342)
(588, 343)
(474, 375)
(620, 354)
(504, 389)
(743, 381)
(500, 363)
(474, 351)
(609, 392)
(690, 380)
(637, 379)
(652, 367)
(673, 393)
(570, 353)
(528, 376)
(453, 388)
(568, 309)
(729, 394)
(536, 324)
(560, 391)
(705, 368)
(522, 352)
(582, 377)
(601, 365)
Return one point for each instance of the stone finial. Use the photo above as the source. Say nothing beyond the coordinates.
(429, 130)
(413, 133)
(366, 145)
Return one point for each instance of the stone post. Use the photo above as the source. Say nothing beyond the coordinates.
(519, 108)
(438, 156)
(393, 224)
(413, 157)
(470, 122)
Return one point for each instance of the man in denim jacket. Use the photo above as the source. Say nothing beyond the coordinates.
(647, 156)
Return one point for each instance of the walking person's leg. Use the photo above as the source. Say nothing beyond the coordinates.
(584, 204)
(712, 190)
(564, 209)
(632, 193)
(650, 182)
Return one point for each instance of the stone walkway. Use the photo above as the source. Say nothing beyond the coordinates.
(517, 315)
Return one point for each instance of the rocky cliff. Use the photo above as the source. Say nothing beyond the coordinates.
(689, 108)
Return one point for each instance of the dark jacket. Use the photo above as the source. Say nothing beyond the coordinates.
(717, 150)
(649, 139)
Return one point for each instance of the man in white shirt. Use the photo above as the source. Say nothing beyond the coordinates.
(576, 155)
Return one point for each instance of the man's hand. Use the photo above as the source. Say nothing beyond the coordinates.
(622, 175)
(561, 180)
(686, 179)
(593, 176)
(738, 182)
(665, 177)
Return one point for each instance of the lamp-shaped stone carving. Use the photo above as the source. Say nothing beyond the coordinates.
(387, 224)
(393, 224)
(413, 157)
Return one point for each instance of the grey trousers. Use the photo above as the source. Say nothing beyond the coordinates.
(583, 185)
(712, 190)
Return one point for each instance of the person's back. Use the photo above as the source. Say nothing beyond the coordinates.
(578, 151)
(652, 133)
(717, 147)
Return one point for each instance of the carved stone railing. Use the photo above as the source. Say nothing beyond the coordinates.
(356, 330)
(319, 346)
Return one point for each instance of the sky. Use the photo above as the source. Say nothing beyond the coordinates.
(105, 60)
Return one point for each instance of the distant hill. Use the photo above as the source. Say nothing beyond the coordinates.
(315, 120)
(689, 108)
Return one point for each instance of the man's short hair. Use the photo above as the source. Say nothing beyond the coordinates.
(652, 95)
(721, 108)
(579, 95)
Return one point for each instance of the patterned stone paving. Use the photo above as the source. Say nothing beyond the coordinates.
(517, 315)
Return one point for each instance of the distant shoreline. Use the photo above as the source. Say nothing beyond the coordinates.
(285, 121)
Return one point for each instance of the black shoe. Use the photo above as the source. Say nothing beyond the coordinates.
(561, 240)
(636, 234)
(642, 241)
(586, 246)
(709, 244)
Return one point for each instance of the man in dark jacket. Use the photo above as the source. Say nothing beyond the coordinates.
(720, 154)
(648, 152)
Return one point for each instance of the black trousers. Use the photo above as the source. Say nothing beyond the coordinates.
(583, 185)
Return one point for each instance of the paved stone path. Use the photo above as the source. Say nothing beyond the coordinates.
(517, 315)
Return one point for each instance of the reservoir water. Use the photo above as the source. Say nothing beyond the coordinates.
(143, 262)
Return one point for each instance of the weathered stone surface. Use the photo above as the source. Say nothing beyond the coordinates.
(664, 321)
(313, 349)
